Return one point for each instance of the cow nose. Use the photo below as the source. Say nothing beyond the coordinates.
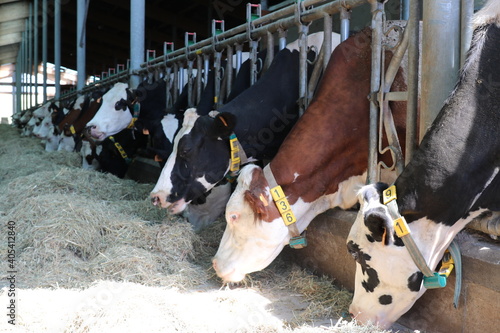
(214, 264)
(155, 200)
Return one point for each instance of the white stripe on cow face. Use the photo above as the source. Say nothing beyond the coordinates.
(170, 124)
(164, 185)
(387, 282)
(109, 121)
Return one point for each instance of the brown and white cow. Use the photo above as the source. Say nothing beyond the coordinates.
(321, 165)
(452, 178)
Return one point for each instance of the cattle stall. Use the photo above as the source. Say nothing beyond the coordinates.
(186, 69)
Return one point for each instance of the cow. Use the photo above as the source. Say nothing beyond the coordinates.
(201, 155)
(452, 178)
(321, 165)
(116, 112)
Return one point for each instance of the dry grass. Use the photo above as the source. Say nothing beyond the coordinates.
(93, 255)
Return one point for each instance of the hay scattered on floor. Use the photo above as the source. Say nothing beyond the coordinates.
(94, 255)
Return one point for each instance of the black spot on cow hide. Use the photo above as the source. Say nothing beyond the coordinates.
(372, 281)
(415, 281)
(385, 299)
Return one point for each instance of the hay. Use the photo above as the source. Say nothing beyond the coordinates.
(94, 255)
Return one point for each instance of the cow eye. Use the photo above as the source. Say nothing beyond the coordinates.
(120, 105)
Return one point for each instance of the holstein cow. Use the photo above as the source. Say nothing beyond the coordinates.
(452, 178)
(321, 165)
(260, 117)
(115, 113)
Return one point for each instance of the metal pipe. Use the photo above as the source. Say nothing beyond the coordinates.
(18, 82)
(190, 83)
(217, 61)
(233, 36)
(377, 33)
(137, 26)
(405, 6)
(81, 9)
(282, 38)
(303, 100)
(25, 66)
(413, 26)
(327, 40)
(270, 52)
(181, 79)
(35, 46)
(254, 45)
(206, 68)
(440, 49)
(467, 11)
(345, 19)
(57, 47)
(175, 86)
(239, 49)
(44, 48)
(199, 75)
(229, 70)
(30, 56)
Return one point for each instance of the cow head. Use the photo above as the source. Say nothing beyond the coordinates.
(199, 160)
(387, 281)
(114, 114)
(255, 233)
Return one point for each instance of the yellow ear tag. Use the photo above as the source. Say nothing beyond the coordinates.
(389, 194)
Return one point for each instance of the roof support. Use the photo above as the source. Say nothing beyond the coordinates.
(81, 13)
(44, 48)
(137, 24)
(35, 49)
(57, 47)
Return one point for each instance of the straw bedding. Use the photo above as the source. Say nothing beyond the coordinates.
(93, 255)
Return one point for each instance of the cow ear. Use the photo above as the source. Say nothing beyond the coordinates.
(131, 94)
(257, 205)
(223, 125)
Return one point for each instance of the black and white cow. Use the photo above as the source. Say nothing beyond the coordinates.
(260, 117)
(451, 179)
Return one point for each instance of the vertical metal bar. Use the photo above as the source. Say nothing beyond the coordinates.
(229, 70)
(199, 75)
(377, 33)
(21, 71)
(327, 41)
(253, 61)
(25, 66)
(440, 49)
(18, 81)
(181, 78)
(282, 39)
(405, 6)
(467, 11)
(190, 83)
(206, 67)
(168, 86)
(80, 43)
(413, 55)
(175, 86)
(57, 47)
(345, 18)
(137, 26)
(218, 56)
(270, 51)
(304, 29)
(30, 56)
(44, 48)
(35, 52)
(239, 49)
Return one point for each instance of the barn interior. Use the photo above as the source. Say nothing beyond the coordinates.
(108, 43)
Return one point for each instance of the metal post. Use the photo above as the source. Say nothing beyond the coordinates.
(345, 18)
(253, 61)
(440, 50)
(377, 33)
(270, 51)
(30, 56)
(413, 54)
(18, 82)
(217, 61)
(229, 70)
(303, 100)
(239, 49)
(282, 39)
(80, 43)
(206, 67)
(57, 47)
(327, 40)
(44, 48)
(467, 11)
(22, 70)
(190, 83)
(199, 75)
(35, 56)
(405, 6)
(137, 24)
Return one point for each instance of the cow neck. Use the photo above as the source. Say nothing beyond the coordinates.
(432, 280)
(297, 241)
(120, 149)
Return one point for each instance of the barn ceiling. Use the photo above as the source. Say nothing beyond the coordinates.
(108, 27)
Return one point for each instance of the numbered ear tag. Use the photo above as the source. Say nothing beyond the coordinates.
(401, 227)
(288, 217)
(72, 130)
(283, 206)
(277, 193)
(389, 194)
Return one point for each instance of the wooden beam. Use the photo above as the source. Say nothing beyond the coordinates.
(14, 11)
(13, 38)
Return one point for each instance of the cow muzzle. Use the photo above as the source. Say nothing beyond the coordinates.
(95, 133)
